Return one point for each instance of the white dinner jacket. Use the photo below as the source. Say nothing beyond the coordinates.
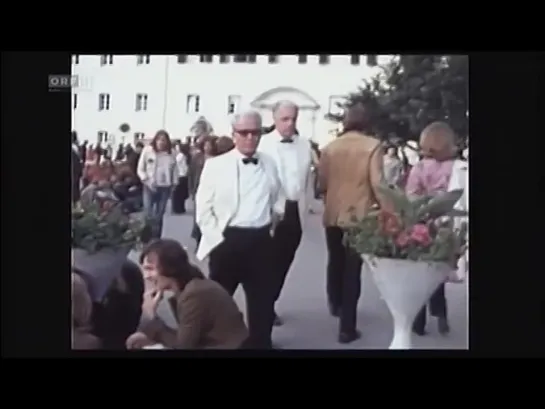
(270, 145)
(217, 197)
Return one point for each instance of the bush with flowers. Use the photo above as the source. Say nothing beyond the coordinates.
(419, 229)
(103, 224)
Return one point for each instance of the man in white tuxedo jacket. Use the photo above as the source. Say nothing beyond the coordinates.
(292, 154)
(235, 208)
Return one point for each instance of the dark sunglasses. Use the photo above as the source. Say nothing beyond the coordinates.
(248, 132)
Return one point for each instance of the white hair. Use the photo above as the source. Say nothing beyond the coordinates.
(283, 103)
(246, 114)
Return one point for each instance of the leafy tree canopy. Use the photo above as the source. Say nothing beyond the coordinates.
(413, 91)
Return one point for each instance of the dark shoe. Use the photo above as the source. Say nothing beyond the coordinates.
(420, 332)
(442, 325)
(348, 337)
(333, 310)
(277, 320)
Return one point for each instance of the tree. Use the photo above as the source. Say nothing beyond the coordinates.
(413, 91)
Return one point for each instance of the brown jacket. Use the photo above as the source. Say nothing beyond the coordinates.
(207, 316)
(349, 176)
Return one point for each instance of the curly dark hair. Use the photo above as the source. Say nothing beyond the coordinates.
(224, 144)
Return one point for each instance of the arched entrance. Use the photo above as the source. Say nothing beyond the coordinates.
(308, 107)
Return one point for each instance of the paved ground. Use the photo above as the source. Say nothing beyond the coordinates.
(303, 303)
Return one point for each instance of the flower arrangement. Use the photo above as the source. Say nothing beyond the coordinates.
(102, 224)
(420, 229)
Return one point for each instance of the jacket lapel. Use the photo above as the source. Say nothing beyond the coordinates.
(232, 171)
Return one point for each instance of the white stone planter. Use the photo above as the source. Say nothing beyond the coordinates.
(405, 286)
(99, 269)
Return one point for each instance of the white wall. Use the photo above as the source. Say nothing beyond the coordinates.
(168, 83)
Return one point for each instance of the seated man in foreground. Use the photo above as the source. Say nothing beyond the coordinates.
(206, 315)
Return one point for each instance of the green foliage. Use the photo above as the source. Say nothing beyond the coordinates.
(414, 91)
(420, 229)
(103, 224)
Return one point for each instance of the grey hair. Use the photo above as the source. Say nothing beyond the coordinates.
(251, 113)
(283, 103)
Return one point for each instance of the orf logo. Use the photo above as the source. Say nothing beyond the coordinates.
(68, 82)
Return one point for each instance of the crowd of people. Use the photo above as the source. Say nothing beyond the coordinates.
(252, 195)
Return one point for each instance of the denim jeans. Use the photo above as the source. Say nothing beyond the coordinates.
(155, 204)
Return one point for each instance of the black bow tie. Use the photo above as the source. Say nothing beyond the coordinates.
(287, 140)
(249, 160)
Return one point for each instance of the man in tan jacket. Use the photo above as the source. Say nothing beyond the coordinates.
(350, 169)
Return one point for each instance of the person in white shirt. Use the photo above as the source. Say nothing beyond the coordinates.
(235, 209)
(158, 173)
(180, 193)
(292, 154)
(392, 167)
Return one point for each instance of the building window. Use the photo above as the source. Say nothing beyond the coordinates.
(106, 59)
(224, 59)
(141, 102)
(233, 103)
(142, 59)
(371, 60)
(240, 58)
(206, 58)
(273, 59)
(102, 137)
(103, 102)
(138, 136)
(323, 59)
(334, 109)
(193, 103)
(75, 59)
(74, 101)
(248, 58)
(303, 58)
(182, 58)
(355, 59)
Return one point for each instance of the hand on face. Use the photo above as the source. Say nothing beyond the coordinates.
(152, 297)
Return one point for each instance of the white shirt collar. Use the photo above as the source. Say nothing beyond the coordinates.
(279, 137)
(239, 155)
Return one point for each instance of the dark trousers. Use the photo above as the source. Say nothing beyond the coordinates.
(286, 239)
(437, 305)
(245, 257)
(343, 278)
(179, 196)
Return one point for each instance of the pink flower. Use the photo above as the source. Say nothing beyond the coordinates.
(421, 234)
(403, 239)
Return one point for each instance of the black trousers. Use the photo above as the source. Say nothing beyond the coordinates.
(437, 306)
(179, 196)
(286, 238)
(343, 278)
(245, 257)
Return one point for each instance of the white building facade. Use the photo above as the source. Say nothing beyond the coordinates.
(152, 92)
